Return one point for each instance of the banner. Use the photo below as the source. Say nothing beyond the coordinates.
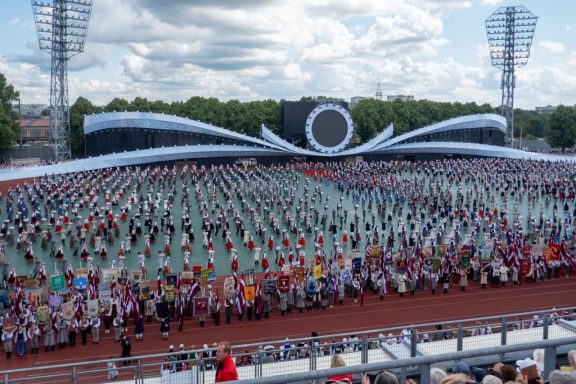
(550, 254)
(465, 262)
(80, 283)
(187, 278)
(427, 252)
(348, 264)
(436, 266)
(200, 307)
(318, 272)
(82, 272)
(136, 275)
(269, 286)
(346, 275)
(287, 268)
(357, 264)
(197, 271)
(334, 267)
(30, 283)
(108, 273)
(57, 282)
(92, 308)
(68, 310)
(229, 288)
(353, 254)
(145, 292)
(442, 249)
(249, 277)
(105, 296)
(249, 292)
(284, 283)
(169, 292)
(43, 314)
(55, 302)
(485, 253)
(536, 250)
(299, 272)
(171, 279)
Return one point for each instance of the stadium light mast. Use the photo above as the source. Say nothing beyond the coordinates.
(378, 95)
(62, 27)
(510, 31)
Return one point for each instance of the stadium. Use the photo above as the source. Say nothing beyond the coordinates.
(177, 251)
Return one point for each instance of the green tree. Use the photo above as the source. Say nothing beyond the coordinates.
(140, 104)
(82, 107)
(9, 127)
(117, 105)
(562, 130)
(369, 118)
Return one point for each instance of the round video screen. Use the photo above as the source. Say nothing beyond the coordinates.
(329, 128)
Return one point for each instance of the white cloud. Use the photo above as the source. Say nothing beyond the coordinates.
(551, 46)
(249, 49)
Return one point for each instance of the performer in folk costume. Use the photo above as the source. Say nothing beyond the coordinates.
(234, 265)
(265, 265)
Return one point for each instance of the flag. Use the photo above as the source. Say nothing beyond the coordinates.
(241, 294)
(194, 289)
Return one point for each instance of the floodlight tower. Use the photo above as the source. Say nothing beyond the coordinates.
(62, 26)
(510, 31)
(378, 92)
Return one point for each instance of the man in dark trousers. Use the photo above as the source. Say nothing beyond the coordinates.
(126, 348)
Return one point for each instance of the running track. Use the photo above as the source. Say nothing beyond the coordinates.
(349, 318)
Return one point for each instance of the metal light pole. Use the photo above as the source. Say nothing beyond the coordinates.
(510, 31)
(62, 27)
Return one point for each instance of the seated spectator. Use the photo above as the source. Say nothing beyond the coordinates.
(336, 362)
(508, 374)
(462, 368)
(491, 379)
(478, 374)
(384, 377)
(458, 378)
(538, 356)
(571, 361)
(437, 375)
(560, 377)
(528, 362)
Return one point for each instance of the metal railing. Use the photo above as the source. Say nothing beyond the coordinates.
(393, 346)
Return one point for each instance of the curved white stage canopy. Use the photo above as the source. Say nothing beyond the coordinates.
(271, 144)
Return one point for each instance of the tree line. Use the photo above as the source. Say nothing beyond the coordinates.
(9, 127)
(370, 116)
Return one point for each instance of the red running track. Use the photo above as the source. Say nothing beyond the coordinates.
(350, 318)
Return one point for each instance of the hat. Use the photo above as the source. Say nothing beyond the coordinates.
(525, 363)
(489, 379)
(478, 373)
(181, 346)
(461, 367)
(171, 347)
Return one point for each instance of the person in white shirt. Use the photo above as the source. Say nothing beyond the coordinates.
(95, 324)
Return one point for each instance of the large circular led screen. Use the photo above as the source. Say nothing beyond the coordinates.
(329, 128)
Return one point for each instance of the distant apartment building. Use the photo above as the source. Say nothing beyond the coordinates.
(354, 100)
(400, 97)
(545, 110)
